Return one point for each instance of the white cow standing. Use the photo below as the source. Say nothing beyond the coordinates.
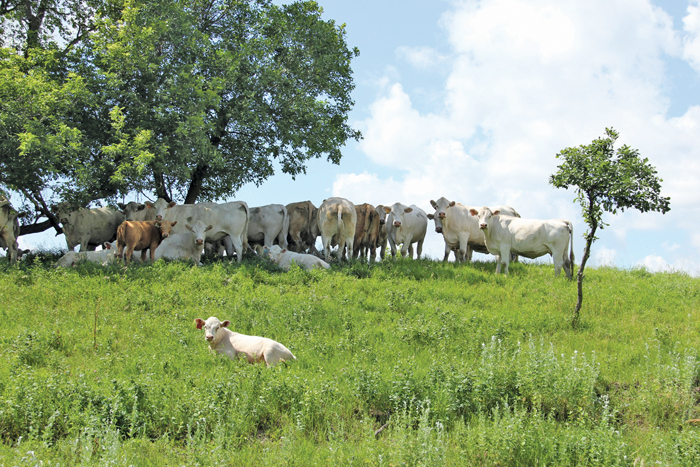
(89, 228)
(185, 245)
(337, 219)
(527, 237)
(9, 229)
(254, 348)
(268, 223)
(284, 259)
(460, 229)
(406, 226)
(229, 222)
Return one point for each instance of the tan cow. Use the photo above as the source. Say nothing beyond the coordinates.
(141, 236)
(366, 231)
(9, 229)
(232, 344)
(337, 218)
(303, 227)
(383, 230)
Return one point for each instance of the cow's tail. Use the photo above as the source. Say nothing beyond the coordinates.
(341, 226)
(571, 258)
(282, 238)
(245, 230)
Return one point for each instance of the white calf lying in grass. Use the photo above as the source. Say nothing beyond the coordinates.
(284, 258)
(255, 349)
(104, 256)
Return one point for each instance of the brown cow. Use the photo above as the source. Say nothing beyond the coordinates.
(141, 236)
(382, 236)
(303, 227)
(366, 231)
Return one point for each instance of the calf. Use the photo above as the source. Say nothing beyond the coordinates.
(527, 237)
(255, 349)
(141, 236)
(284, 258)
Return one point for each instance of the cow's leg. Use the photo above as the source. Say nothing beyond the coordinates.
(84, 243)
(350, 242)
(237, 245)
(447, 253)
(129, 253)
(419, 248)
(505, 258)
(228, 245)
(120, 251)
(327, 247)
(558, 263)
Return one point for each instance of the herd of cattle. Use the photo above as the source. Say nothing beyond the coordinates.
(288, 233)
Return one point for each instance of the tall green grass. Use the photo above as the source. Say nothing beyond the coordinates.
(447, 364)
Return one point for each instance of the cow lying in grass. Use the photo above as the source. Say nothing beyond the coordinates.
(255, 349)
(284, 258)
(102, 257)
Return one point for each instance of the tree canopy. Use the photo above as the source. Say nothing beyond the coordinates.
(183, 100)
(607, 180)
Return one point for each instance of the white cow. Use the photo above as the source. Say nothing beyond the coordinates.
(185, 245)
(406, 226)
(89, 228)
(460, 229)
(229, 221)
(337, 219)
(134, 211)
(530, 238)
(9, 229)
(284, 259)
(103, 257)
(254, 348)
(268, 223)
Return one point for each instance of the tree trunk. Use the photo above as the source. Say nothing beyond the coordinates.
(37, 228)
(586, 254)
(161, 192)
(196, 181)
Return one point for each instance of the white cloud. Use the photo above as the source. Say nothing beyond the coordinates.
(420, 57)
(691, 41)
(655, 263)
(604, 256)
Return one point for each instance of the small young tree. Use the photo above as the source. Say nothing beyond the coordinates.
(607, 180)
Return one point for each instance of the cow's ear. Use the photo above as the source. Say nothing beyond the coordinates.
(209, 227)
(142, 207)
(433, 204)
(284, 251)
(225, 324)
(148, 204)
(408, 210)
(387, 209)
(431, 217)
(107, 246)
(199, 322)
(474, 212)
(173, 224)
(121, 206)
(171, 204)
(496, 212)
(452, 204)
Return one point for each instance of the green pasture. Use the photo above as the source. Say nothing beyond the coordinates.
(399, 363)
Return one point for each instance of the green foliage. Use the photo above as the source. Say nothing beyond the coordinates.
(452, 362)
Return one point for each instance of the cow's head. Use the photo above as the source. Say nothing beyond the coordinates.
(397, 212)
(484, 215)
(199, 229)
(274, 252)
(160, 206)
(132, 208)
(165, 227)
(212, 326)
(382, 214)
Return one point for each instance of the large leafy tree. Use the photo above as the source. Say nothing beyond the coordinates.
(184, 99)
(607, 180)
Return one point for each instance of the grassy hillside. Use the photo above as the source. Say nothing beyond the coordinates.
(455, 366)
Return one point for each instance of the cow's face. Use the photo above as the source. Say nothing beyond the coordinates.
(199, 230)
(132, 207)
(382, 214)
(275, 252)
(160, 206)
(212, 326)
(441, 206)
(398, 212)
(165, 227)
(484, 216)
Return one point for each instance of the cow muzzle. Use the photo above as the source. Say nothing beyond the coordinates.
(438, 229)
(382, 221)
(482, 226)
(209, 338)
(200, 241)
(441, 215)
(159, 218)
(397, 224)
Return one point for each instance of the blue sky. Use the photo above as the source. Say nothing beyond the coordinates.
(472, 100)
